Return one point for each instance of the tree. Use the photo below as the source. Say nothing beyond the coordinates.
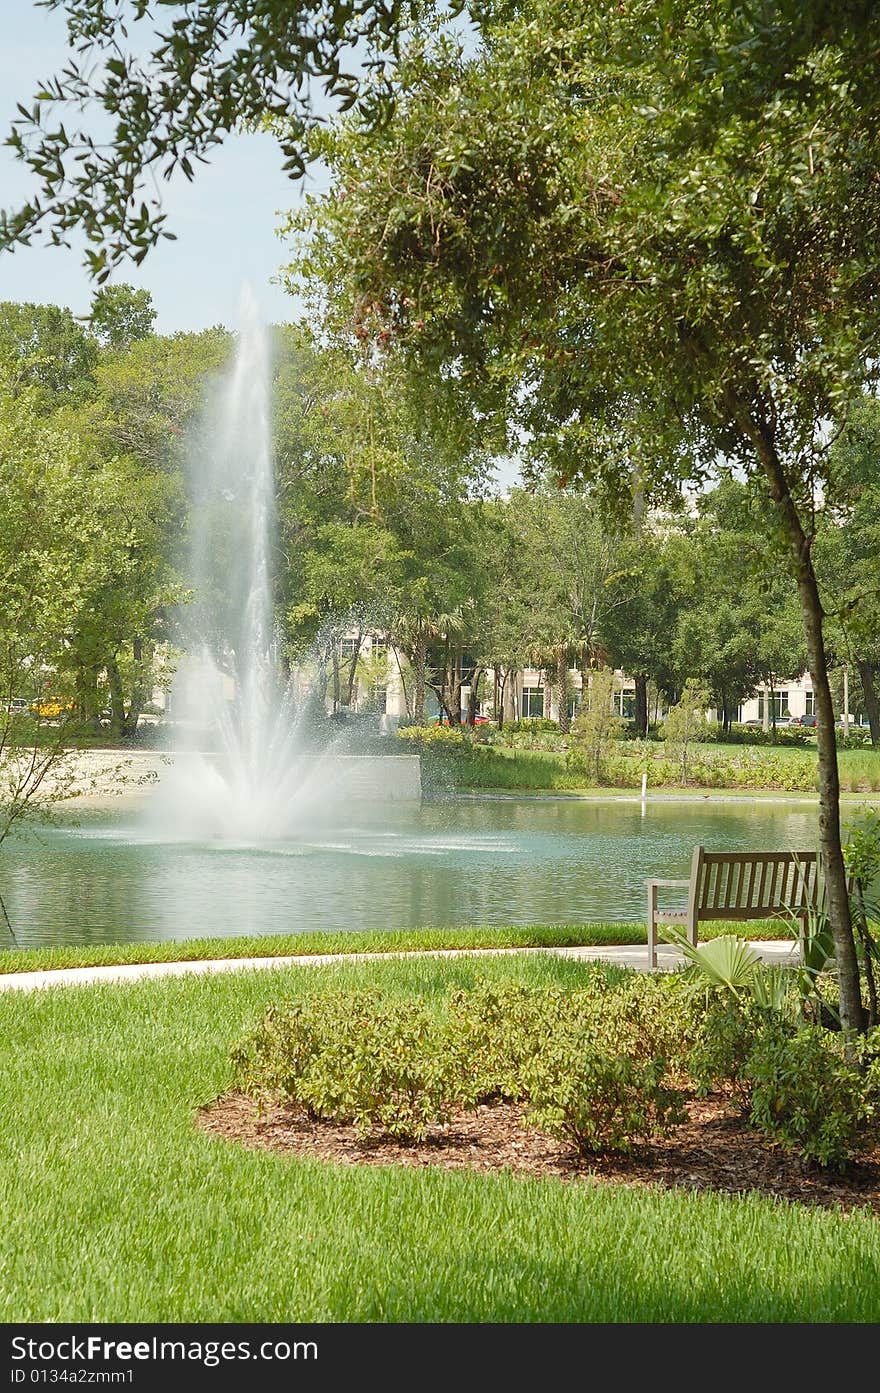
(685, 724)
(53, 552)
(374, 518)
(649, 588)
(848, 553)
(137, 428)
(597, 725)
(44, 350)
(651, 234)
(742, 624)
(121, 315)
(150, 396)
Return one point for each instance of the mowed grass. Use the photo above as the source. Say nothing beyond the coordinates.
(744, 769)
(435, 940)
(116, 1208)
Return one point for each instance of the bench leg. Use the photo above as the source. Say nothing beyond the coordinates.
(652, 925)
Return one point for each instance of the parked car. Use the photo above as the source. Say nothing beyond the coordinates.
(51, 708)
(807, 720)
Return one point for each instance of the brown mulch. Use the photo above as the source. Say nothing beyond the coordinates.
(712, 1151)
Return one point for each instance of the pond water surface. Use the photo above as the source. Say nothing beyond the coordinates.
(479, 861)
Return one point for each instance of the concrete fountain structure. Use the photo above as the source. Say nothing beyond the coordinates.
(264, 781)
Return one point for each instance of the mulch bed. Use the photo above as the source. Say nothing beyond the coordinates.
(713, 1151)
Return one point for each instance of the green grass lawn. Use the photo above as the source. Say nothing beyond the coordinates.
(115, 1208)
(748, 769)
(368, 941)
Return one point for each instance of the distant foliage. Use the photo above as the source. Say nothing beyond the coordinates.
(531, 725)
(685, 725)
(596, 728)
(453, 737)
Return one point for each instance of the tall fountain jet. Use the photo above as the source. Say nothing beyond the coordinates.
(256, 781)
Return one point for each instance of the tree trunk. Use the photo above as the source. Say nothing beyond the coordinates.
(508, 695)
(420, 659)
(872, 703)
(472, 696)
(117, 698)
(852, 1015)
(455, 686)
(562, 688)
(87, 696)
(641, 682)
(139, 691)
(352, 668)
(407, 699)
(336, 692)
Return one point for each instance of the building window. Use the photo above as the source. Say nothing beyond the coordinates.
(348, 647)
(625, 704)
(574, 703)
(532, 702)
(779, 708)
(810, 706)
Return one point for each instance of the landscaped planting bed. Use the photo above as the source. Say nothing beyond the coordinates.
(143, 1215)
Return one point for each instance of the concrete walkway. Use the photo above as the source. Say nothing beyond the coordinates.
(781, 951)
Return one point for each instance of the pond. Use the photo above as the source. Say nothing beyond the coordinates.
(468, 861)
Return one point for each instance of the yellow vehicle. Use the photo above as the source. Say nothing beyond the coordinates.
(51, 708)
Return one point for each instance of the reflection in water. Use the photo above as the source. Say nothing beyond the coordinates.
(473, 862)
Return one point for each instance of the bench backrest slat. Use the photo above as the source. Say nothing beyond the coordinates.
(745, 884)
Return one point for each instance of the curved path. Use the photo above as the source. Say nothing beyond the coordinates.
(628, 955)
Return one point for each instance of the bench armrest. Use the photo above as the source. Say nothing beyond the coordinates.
(671, 884)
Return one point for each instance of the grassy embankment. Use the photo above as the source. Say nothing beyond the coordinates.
(735, 768)
(116, 1208)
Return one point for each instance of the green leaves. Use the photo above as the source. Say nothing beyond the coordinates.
(727, 961)
(585, 1063)
(174, 95)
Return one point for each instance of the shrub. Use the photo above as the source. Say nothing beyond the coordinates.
(497, 1029)
(274, 1059)
(452, 737)
(808, 1097)
(597, 1101)
(387, 1065)
(723, 1043)
(645, 1017)
(531, 725)
(792, 736)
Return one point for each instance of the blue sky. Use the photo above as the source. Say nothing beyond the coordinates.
(225, 220)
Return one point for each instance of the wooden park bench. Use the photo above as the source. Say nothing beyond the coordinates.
(736, 885)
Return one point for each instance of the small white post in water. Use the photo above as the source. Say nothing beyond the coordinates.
(644, 792)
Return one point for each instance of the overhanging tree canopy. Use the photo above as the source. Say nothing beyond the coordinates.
(173, 80)
(650, 234)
